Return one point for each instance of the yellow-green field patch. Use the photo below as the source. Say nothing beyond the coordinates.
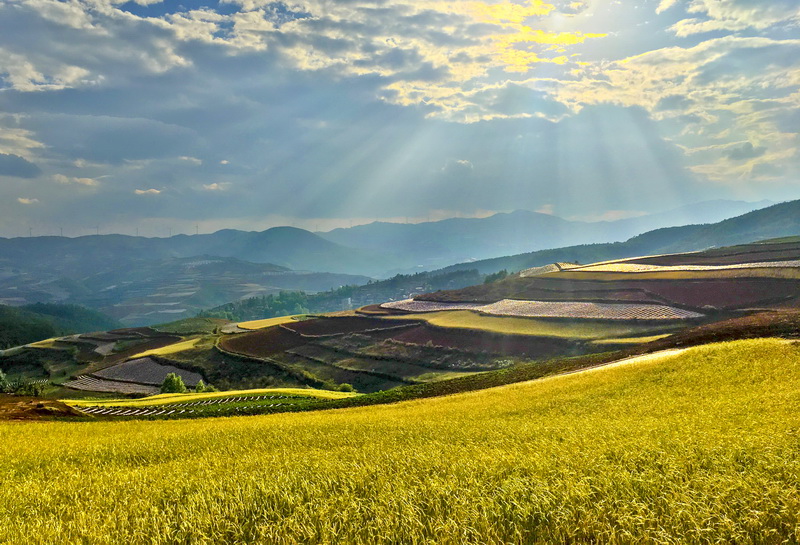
(46, 343)
(269, 322)
(632, 340)
(467, 319)
(170, 349)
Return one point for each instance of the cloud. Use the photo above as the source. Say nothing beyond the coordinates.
(664, 5)
(746, 151)
(193, 160)
(147, 191)
(24, 200)
(18, 167)
(89, 182)
(214, 187)
(735, 15)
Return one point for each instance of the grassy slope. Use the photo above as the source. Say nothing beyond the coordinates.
(468, 319)
(701, 447)
(191, 326)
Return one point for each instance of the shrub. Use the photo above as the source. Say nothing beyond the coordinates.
(28, 388)
(345, 387)
(5, 386)
(200, 387)
(173, 384)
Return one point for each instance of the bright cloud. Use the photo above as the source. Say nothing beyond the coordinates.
(147, 191)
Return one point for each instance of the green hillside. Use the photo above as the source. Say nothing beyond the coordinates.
(696, 448)
(22, 325)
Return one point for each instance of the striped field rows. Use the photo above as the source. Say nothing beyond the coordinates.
(554, 309)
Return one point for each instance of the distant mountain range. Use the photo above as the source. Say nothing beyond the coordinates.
(780, 220)
(429, 246)
(143, 281)
(287, 247)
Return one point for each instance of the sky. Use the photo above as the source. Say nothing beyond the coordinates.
(188, 116)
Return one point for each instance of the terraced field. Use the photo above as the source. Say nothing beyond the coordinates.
(410, 305)
(587, 311)
(269, 322)
(230, 405)
(173, 348)
(511, 325)
(93, 384)
(147, 371)
(338, 326)
(630, 267)
(262, 343)
(555, 309)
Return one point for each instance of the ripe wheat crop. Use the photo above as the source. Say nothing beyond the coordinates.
(701, 447)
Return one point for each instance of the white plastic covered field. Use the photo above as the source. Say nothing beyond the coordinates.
(555, 309)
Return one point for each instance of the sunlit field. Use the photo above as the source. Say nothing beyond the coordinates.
(269, 322)
(578, 329)
(166, 399)
(701, 447)
(170, 349)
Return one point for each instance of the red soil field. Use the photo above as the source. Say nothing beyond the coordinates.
(261, 343)
(333, 326)
(727, 294)
(773, 323)
(477, 342)
(33, 408)
(692, 293)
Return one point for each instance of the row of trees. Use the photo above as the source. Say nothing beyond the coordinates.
(20, 387)
(173, 384)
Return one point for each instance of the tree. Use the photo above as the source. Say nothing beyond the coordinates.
(173, 384)
(5, 387)
(499, 275)
(200, 387)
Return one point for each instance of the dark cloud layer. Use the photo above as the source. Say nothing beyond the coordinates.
(17, 167)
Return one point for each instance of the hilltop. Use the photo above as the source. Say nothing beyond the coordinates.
(436, 244)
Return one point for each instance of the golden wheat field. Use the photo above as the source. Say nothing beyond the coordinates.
(701, 447)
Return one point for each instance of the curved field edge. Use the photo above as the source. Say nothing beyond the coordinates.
(253, 325)
(166, 399)
(513, 325)
(700, 447)
(174, 348)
